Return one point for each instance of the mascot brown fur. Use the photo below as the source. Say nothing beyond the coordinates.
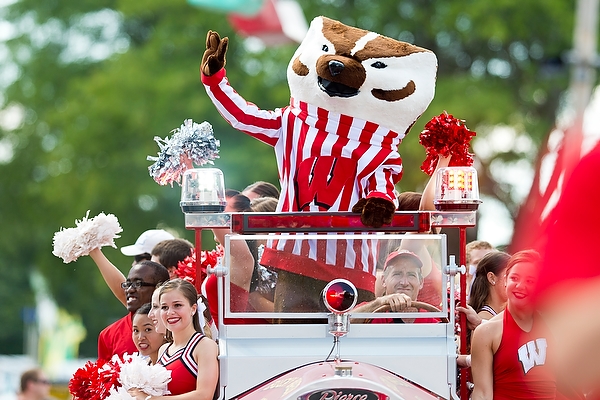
(354, 96)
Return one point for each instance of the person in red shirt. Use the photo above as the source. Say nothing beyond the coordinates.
(568, 289)
(141, 281)
(510, 353)
(191, 357)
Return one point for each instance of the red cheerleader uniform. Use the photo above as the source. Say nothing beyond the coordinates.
(521, 369)
(327, 162)
(183, 367)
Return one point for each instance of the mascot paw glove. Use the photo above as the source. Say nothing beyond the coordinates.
(375, 211)
(213, 59)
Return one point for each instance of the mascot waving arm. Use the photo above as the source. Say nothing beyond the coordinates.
(349, 87)
(241, 115)
(354, 96)
(375, 210)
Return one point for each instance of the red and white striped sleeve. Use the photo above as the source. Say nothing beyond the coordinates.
(242, 115)
(386, 170)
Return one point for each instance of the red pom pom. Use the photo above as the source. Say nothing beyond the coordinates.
(186, 269)
(83, 379)
(94, 380)
(447, 136)
(108, 378)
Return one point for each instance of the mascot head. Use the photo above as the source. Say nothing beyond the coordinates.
(355, 72)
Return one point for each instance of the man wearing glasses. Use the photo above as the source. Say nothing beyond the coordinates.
(34, 385)
(141, 282)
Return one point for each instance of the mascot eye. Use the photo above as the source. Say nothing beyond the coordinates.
(325, 48)
(378, 65)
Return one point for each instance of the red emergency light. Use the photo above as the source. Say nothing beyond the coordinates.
(340, 296)
(456, 189)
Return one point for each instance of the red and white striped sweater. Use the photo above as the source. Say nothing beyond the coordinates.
(327, 162)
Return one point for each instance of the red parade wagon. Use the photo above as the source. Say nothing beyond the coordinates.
(331, 352)
(299, 358)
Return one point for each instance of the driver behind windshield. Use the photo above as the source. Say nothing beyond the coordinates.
(402, 279)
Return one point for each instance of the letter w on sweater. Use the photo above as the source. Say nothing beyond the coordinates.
(533, 353)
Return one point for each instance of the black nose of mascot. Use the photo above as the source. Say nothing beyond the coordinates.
(335, 67)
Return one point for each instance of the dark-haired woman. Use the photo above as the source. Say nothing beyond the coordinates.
(145, 336)
(488, 291)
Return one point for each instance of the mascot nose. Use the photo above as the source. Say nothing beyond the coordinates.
(335, 67)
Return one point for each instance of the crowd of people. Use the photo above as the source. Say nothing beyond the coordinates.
(510, 350)
(168, 321)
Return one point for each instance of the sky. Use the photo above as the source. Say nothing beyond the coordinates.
(494, 224)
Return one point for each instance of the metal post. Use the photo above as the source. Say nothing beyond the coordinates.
(464, 391)
(198, 250)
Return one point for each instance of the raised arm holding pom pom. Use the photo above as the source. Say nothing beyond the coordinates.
(89, 233)
(446, 136)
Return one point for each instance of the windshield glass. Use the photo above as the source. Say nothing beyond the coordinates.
(396, 276)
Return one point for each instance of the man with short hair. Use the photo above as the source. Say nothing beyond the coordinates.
(139, 286)
(34, 385)
(170, 252)
(475, 251)
(402, 280)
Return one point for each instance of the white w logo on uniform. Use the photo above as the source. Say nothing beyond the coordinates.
(533, 353)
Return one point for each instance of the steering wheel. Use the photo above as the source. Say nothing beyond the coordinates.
(413, 304)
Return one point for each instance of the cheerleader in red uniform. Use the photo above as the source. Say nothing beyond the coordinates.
(510, 352)
(191, 357)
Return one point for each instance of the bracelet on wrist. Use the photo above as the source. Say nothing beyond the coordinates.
(148, 397)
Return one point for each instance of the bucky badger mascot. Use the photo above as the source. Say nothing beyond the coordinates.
(354, 96)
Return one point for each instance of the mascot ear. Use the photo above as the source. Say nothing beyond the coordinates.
(213, 59)
(375, 211)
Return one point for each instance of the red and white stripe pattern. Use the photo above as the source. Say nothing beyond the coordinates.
(326, 161)
(322, 259)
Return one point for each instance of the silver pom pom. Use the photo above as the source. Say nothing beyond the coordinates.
(190, 144)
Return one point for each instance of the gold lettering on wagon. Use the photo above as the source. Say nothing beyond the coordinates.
(288, 383)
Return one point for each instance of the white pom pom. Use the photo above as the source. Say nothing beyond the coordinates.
(119, 394)
(150, 379)
(89, 234)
